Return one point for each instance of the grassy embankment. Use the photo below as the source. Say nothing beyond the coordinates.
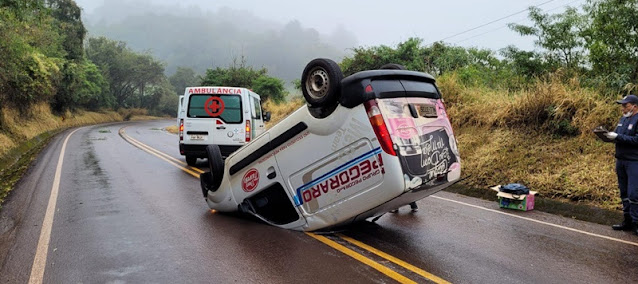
(22, 136)
(541, 137)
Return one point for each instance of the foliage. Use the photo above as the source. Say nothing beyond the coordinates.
(83, 86)
(237, 75)
(240, 75)
(68, 20)
(473, 66)
(558, 34)
(160, 99)
(183, 77)
(270, 88)
(27, 72)
(612, 41)
(128, 73)
(296, 83)
(529, 64)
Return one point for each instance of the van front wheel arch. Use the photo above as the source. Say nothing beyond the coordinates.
(321, 82)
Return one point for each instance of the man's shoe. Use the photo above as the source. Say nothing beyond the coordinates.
(626, 225)
(414, 207)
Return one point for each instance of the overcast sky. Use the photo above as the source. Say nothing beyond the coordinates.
(376, 22)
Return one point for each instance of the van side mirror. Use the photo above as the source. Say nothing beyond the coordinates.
(266, 116)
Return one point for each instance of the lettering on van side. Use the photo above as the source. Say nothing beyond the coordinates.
(284, 146)
(215, 91)
(343, 177)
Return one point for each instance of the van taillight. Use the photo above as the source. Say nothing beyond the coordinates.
(376, 120)
(247, 130)
(181, 130)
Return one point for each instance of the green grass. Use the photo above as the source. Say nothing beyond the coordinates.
(14, 163)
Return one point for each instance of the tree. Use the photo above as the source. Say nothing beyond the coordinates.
(161, 99)
(127, 72)
(82, 87)
(528, 64)
(69, 22)
(29, 47)
(612, 41)
(237, 75)
(559, 34)
(183, 77)
(270, 88)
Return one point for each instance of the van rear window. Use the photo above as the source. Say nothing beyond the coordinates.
(230, 113)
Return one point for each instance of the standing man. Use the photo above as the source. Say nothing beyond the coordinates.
(626, 139)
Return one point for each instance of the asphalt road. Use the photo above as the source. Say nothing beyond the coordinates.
(131, 211)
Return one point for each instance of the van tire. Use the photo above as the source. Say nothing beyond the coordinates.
(216, 164)
(321, 82)
(392, 66)
(191, 161)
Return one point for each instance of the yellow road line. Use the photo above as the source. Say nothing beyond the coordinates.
(387, 271)
(161, 153)
(40, 259)
(397, 261)
(122, 132)
(159, 156)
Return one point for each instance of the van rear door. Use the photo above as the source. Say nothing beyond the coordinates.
(215, 119)
(420, 129)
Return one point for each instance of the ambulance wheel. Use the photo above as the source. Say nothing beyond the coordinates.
(191, 161)
(216, 164)
(321, 82)
(392, 66)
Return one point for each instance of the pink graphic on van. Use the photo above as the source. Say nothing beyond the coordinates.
(402, 127)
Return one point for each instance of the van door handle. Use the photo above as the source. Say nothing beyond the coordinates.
(221, 127)
(271, 173)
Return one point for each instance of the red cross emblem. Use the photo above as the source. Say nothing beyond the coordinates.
(214, 106)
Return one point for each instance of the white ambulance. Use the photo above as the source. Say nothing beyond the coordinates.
(225, 116)
(362, 146)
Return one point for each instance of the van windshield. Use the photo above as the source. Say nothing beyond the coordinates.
(206, 106)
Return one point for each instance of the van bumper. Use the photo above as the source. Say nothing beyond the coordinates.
(200, 150)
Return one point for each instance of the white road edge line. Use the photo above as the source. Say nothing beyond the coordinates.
(540, 222)
(40, 259)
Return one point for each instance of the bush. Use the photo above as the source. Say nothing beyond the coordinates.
(128, 113)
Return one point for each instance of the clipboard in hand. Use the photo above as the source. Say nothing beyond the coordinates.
(600, 132)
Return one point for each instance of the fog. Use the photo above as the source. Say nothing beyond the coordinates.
(284, 35)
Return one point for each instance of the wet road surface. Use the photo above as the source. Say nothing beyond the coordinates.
(130, 211)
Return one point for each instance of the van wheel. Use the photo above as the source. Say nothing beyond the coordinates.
(393, 66)
(216, 164)
(191, 161)
(321, 82)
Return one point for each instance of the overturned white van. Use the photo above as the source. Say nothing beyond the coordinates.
(362, 146)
